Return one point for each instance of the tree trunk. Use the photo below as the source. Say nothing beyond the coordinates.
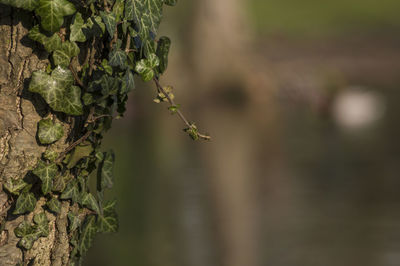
(20, 112)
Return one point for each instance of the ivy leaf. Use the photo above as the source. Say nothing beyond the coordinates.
(145, 67)
(63, 77)
(36, 35)
(106, 169)
(76, 29)
(153, 61)
(117, 58)
(42, 223)
(90, 202)
(54, 205)
(108, 223)
(128, 82)
(57, 91)
(118, 10)
(71, 192)
(74, 221)
(23, 229)
(28, 234)
(110, 22)
(144, 71)
(46, 173)
(52, 13)
(53, 43)
(14, 186)
(88, 233)
(94, 27)
(26, 202)
(50, 155)
(109, 207)
(59, 183)
(73, 104)
(62, 56)
(80, 152)
(147, 14)
(162, 52)
(24, 4)
(49, 131)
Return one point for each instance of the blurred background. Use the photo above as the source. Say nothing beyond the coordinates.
(302, 101)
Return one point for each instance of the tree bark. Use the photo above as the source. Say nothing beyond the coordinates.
(20, 112)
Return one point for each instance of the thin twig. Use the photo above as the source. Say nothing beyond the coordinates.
(77, 79)
(128, 43)
(92, 54)
(180, 114)
(73, 145)
(106, 8)
(88, 52)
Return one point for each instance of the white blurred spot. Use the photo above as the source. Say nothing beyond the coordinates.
(358, 108)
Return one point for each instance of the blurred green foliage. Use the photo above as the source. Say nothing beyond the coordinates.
(317, 17)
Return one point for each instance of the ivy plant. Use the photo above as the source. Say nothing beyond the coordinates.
(96, 49)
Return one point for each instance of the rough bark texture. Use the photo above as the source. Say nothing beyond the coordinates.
(20, 112)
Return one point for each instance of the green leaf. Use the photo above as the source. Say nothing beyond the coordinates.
(153, 61)
(50, 155)
(76, 29)
(94, 27)
(145, 67)
(118, 9)
(106, 170)
(73, 104)
(162, 52)
(108, 223)
(36, 35)
(107, 68)
(80, 152)
(110, 22)
(59, 183)
(24, 4)
(71, 192)
(26, 202)
(53, 43)
(109, 207)
(23, 229)
(144, 71)
(128, 82)
(147, 14)
(52, 13)
(88, 233)
(54, 205)
(117, 58)
(28, 233)
(49, 131)
(46, 173)
(63, 77)
(14, 186)
(74, 221)
(50, 43)
(90, 202)
(42, 223)
(62, 56)
(57, 91)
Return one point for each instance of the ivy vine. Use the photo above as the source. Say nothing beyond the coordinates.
(95, 48)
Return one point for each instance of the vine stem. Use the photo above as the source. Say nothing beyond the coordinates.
(77, 79)
(180, 114)
(73, 145)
